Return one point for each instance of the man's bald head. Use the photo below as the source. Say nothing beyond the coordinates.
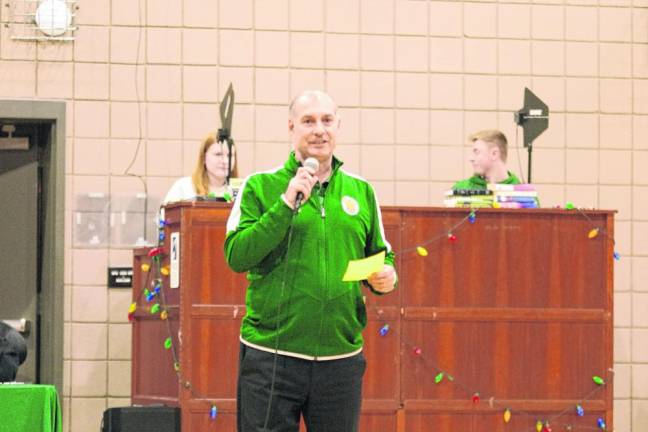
(307, 97)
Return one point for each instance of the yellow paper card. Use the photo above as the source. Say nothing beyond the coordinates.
(361, 269)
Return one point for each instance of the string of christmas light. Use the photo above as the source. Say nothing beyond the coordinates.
(471, 217)
(542, 425)
(448, 234)
(596, 230)
(157, 254)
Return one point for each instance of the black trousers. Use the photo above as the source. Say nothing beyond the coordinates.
(327, 393)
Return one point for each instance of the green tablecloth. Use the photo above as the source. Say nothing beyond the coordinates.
(29, 408)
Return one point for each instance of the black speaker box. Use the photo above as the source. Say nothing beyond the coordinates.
(141, 419)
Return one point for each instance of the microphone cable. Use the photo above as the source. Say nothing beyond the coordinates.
(279, 310)
(314, 165)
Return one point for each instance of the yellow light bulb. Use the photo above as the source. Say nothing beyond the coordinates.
(507, 415)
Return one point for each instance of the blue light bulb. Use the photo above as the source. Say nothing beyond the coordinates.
(384, 330)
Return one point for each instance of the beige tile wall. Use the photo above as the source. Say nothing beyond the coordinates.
(413, 78)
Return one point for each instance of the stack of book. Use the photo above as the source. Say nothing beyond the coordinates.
(477, 198)
(514, 196)
(497, 195)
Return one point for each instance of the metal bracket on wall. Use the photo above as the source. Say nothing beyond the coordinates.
(42, 20)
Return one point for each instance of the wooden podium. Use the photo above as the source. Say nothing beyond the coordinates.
(515, 313)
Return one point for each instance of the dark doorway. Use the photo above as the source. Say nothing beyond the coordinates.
(32, 173)
(21, 239)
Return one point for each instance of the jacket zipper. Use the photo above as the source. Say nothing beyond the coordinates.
(321, 196)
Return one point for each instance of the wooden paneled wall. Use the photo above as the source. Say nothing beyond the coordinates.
(518, 309)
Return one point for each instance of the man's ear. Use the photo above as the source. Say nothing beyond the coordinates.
(291, 125)
(495, 153)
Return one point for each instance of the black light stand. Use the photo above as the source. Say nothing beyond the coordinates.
(225, 132)
(534, 119)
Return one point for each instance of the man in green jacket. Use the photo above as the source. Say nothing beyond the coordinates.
(488, 158)
(294, 230)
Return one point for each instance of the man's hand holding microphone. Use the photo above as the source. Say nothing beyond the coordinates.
(300, 186)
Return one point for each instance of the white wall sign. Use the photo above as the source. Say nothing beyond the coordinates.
(174, 276)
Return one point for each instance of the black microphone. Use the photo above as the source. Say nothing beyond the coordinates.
(313, 164)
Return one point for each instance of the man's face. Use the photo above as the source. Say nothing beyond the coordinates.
(483, 156)
(313, 126)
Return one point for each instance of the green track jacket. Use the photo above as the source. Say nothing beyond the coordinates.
(298, 294)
